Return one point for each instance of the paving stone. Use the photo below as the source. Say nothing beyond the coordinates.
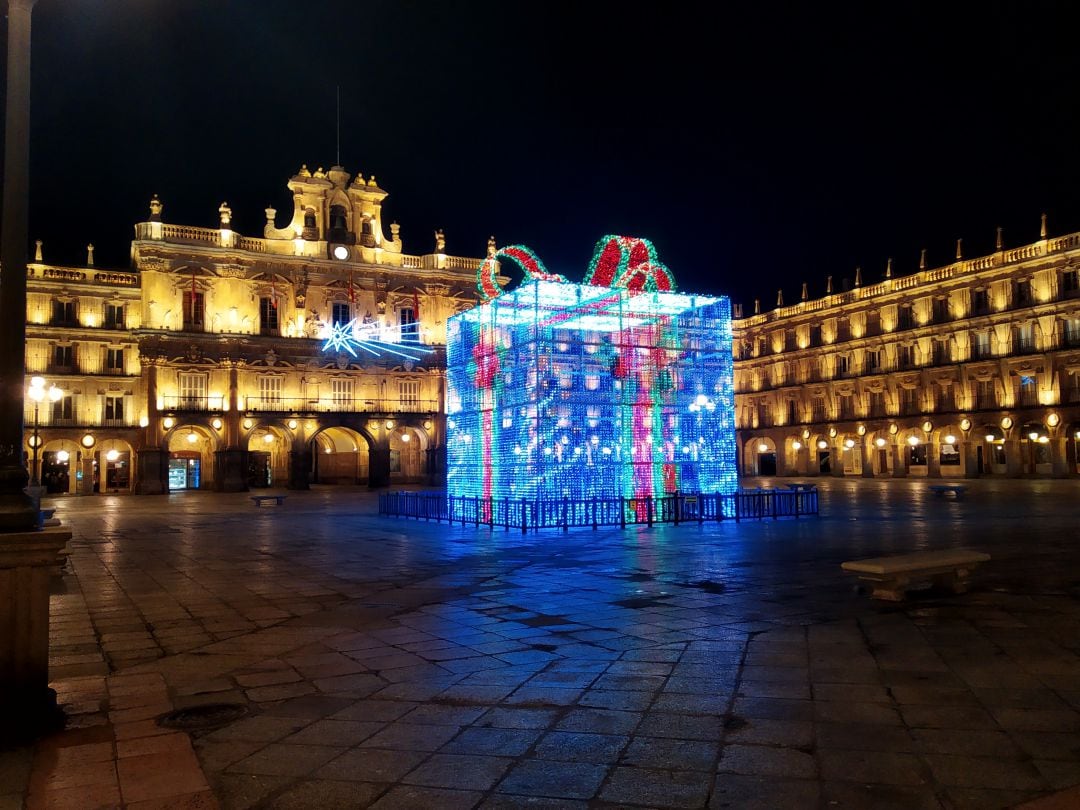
(657, 788)
(667, 754)
(343, 733)
(854, 796)
(580, 747)
(518, 718)
(493, 741)
(286, 760)
(760, 793)
(760, 760)
(371, 765)
(980, 772)
(320, 793)
(877, 767)
(410, 797)
(464, 772)
(411, 737)
(758, 731)
(561, 780)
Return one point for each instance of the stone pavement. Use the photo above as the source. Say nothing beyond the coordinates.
(397, 664)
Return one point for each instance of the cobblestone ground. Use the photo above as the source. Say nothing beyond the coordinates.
(397, 664)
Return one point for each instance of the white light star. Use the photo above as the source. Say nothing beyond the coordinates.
(341, 337)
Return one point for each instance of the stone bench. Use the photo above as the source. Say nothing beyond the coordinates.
(941, 490)
(278, 499)
(893, 576)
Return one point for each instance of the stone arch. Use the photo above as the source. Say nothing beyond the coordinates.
(115, 457)
(757, 461)
(408, 453)
(59, 465)
(879, 451)
(340, 455)
(191, 447)
(269, 444)
(820, 449)
(796, 453)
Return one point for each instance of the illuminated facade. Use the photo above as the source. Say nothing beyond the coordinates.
(561, 390)
(964, 370)
(205, 367)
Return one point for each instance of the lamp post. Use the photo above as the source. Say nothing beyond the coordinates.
(17, 512)
(38, 393)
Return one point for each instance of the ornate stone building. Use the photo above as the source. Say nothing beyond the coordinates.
(204, 367)
(964, 370)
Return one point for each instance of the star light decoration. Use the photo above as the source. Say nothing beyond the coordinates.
(346, 337)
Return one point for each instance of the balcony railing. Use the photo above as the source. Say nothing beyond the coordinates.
(984, 402)
(1028, 396)
(1022, 345)
(339, 405)
(193, 403)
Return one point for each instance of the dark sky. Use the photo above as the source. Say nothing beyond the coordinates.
(757, 146)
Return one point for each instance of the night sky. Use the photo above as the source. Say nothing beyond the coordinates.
(757, 147)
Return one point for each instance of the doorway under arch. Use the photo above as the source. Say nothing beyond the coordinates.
(268, 456)
(191, 457)
(408, 455)
(60, 466)
(339, 455)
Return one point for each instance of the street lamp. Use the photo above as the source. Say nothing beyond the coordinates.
(38, 393)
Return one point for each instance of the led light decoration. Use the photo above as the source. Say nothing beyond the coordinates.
(560, 390)
(348, 337)
(627, 261)
(531, 266)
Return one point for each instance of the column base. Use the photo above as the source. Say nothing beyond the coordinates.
(152, 474)
(230, 470)
(27, 562)
(29, 714)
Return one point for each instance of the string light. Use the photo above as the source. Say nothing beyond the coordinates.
(561, 390)
(348, 337)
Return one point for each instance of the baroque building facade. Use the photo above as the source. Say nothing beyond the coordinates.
(972, 369)
(204, 366)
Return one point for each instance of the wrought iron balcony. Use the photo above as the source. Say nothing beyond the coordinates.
(338, 405)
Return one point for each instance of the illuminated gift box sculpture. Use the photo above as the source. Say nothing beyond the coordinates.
(560, 390)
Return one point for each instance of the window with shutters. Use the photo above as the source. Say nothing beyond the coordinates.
(268, 316)
(114, 410)
(409, 394)
(193, 311)
(341, 312)
(114, 361)
(341, 390)
(192, 388)
(270, 390)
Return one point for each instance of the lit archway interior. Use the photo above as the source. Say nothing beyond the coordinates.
(339, 456)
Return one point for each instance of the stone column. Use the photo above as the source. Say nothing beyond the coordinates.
(899, 468)
(867, 459)
(836, 460)
(230, 463)
(933, 460)
(1013, 461)
(300, 468)
(17, 509)
(27, 562)
(152, 465)
(379, 465)
(1060, 466)
(86, 486)
(969, 453)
